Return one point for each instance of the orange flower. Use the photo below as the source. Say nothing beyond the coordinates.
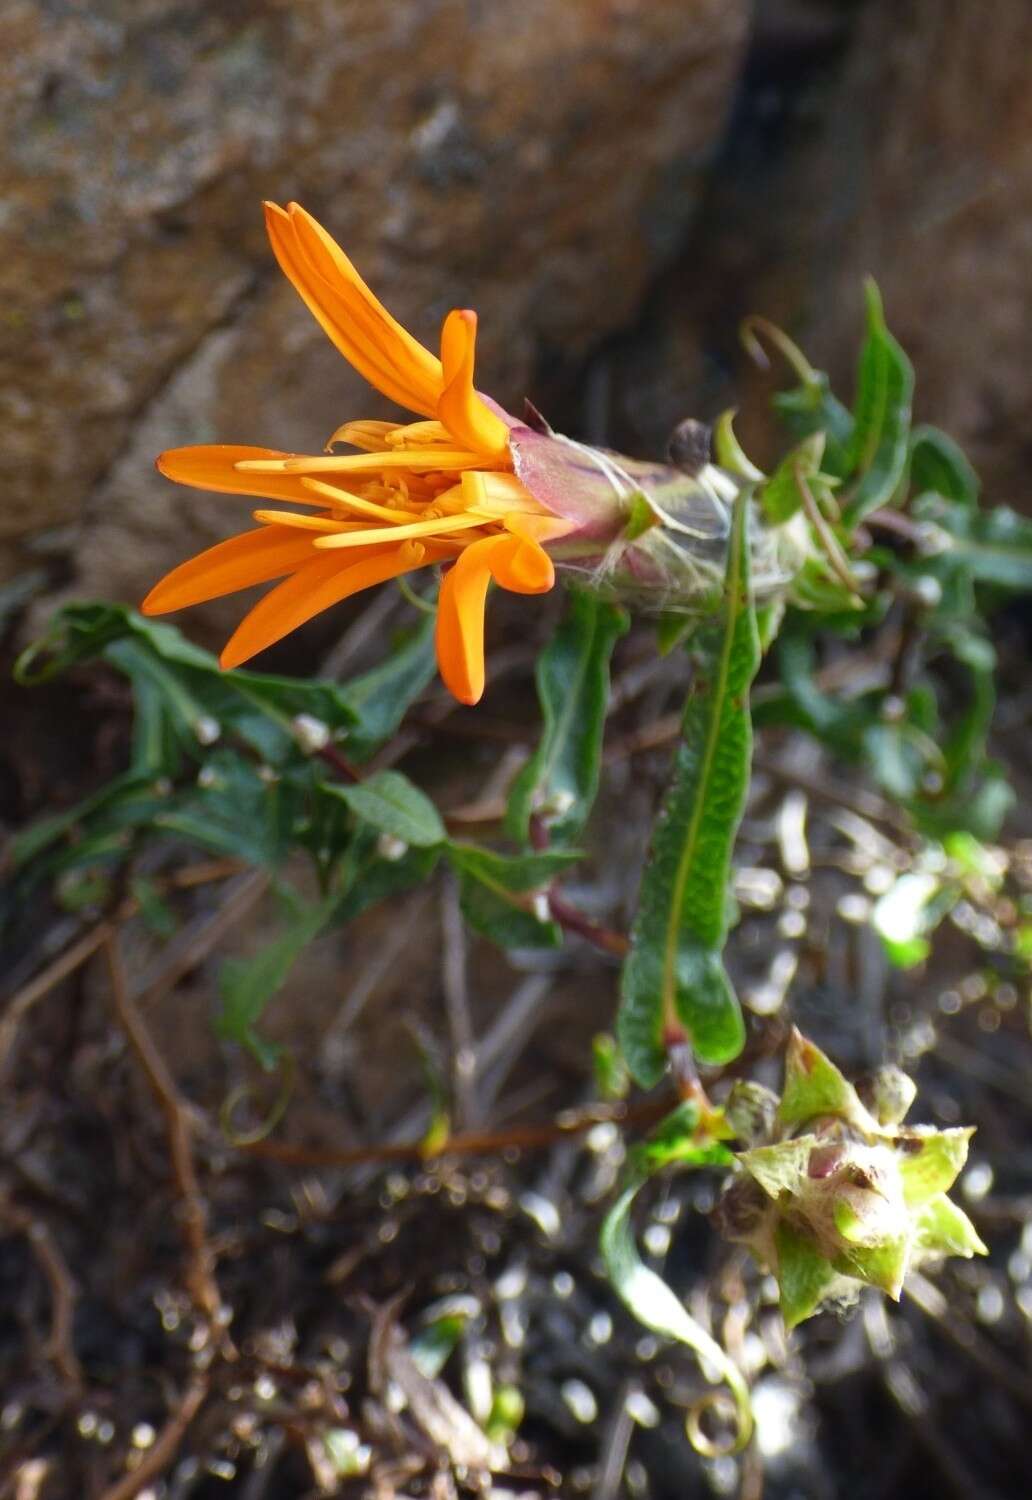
(439, 490)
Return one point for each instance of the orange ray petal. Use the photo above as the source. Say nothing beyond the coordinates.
(459, 406)
(524, 567)
(460, 619)
(210, 466)
(252, 557)
(315, 587)
(538, 528)
(362, 329)
(368, 435)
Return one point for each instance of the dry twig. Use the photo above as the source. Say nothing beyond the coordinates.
(200, 1277)
(60, 1347)
(163, 1451)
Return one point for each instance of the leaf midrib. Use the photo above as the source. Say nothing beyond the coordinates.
(688, 849)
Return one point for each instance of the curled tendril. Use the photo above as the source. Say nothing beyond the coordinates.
(751, 327)
(244, 1093)
(729, 1411)
(52, 666)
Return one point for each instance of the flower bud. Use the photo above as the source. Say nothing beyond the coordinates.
(648, 534)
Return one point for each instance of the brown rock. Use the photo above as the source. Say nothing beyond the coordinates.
(537, 161)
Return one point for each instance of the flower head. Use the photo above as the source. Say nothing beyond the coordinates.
(438, 490)
(465, 486)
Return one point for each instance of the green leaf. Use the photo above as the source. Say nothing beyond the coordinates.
(31, 842)
(432, 1346)
(612, 1080)
(991, 546)
(804, 1276)
(879, 445)
(656, 1306)
(812, 408)
(905, 913)
(365, 877)
(674, 979)
(496, 893)
(246, 985)
(185, 699)
(561, 778)
(930, 1161)
(390, 803)
(814, 1087)
(676, 1138)
(939, 466)
(944, 1229)
(780, 496)
(154, 910)
(379, 699)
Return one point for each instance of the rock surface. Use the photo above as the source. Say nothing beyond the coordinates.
(536, 161)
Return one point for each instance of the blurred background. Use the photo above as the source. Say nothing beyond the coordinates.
(613, 185)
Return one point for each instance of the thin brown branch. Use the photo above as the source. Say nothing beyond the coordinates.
(37, 989)
(60, 1347)
(570, 919)
(166, 1445)
(468, 1143)
(73, 957)
(200, 1260)
(837, 559)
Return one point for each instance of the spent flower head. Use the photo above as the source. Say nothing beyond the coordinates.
(836, 1198)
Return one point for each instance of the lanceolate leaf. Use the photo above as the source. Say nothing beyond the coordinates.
(391, 804)
(561, 778)
(381, 697)
(674, 981)
(246, 985)
(939, 466)
(498, 894)
(879, 445)
(991, 546)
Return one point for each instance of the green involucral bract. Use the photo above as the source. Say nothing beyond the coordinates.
(852, 1199)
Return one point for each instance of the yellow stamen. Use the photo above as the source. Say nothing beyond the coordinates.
(365, 463)
(433, 527)
(303, 522)
(356, 503)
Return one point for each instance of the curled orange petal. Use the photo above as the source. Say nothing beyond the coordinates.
(523, 566)
(252, 557)
(360, 326)
(460, 408)
(460, 621)
(316, 586)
